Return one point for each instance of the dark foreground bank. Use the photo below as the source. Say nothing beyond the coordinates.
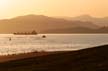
(92, 59)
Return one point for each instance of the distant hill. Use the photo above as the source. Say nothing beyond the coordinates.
(45, 24)
(79, 30)
(98, 21)
(91, 59)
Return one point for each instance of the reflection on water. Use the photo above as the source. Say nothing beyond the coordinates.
(14, 44)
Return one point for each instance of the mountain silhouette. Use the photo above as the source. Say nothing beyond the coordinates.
(45, 24)
(98, 21)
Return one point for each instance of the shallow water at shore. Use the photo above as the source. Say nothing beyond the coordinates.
(52, 42)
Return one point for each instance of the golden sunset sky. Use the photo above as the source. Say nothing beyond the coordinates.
(71, 8)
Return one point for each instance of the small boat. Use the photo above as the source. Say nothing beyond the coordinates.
(43, 36)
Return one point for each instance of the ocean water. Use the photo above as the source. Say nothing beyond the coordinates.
(53, 42)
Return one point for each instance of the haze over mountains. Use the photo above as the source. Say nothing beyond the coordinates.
(98, 21)
(45, 24)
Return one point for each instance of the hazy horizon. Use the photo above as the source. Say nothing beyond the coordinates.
(54, 16)
(53, 8)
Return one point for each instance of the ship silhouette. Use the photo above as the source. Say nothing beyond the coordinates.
(26, 33)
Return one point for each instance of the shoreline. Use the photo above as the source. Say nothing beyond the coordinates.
(90, 59)
(12, 57)
(6, 58)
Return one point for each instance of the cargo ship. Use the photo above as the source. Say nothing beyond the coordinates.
(26, 33)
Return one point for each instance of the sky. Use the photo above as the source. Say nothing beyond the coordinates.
(70, 8)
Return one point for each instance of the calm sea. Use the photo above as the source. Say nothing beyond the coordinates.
(15, 44)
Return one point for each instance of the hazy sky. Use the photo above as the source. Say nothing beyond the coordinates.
(12, 8)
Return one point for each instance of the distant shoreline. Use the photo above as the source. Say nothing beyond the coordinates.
(53, 33)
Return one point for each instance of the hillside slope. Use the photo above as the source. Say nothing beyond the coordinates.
(41, 24)
(98, 21)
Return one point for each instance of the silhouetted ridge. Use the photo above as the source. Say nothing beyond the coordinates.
(45, 24)
(97, 21)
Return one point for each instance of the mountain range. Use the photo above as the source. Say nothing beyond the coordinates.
(98, 21)
(45, 24)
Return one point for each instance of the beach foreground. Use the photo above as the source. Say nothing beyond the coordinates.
(91, 59)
